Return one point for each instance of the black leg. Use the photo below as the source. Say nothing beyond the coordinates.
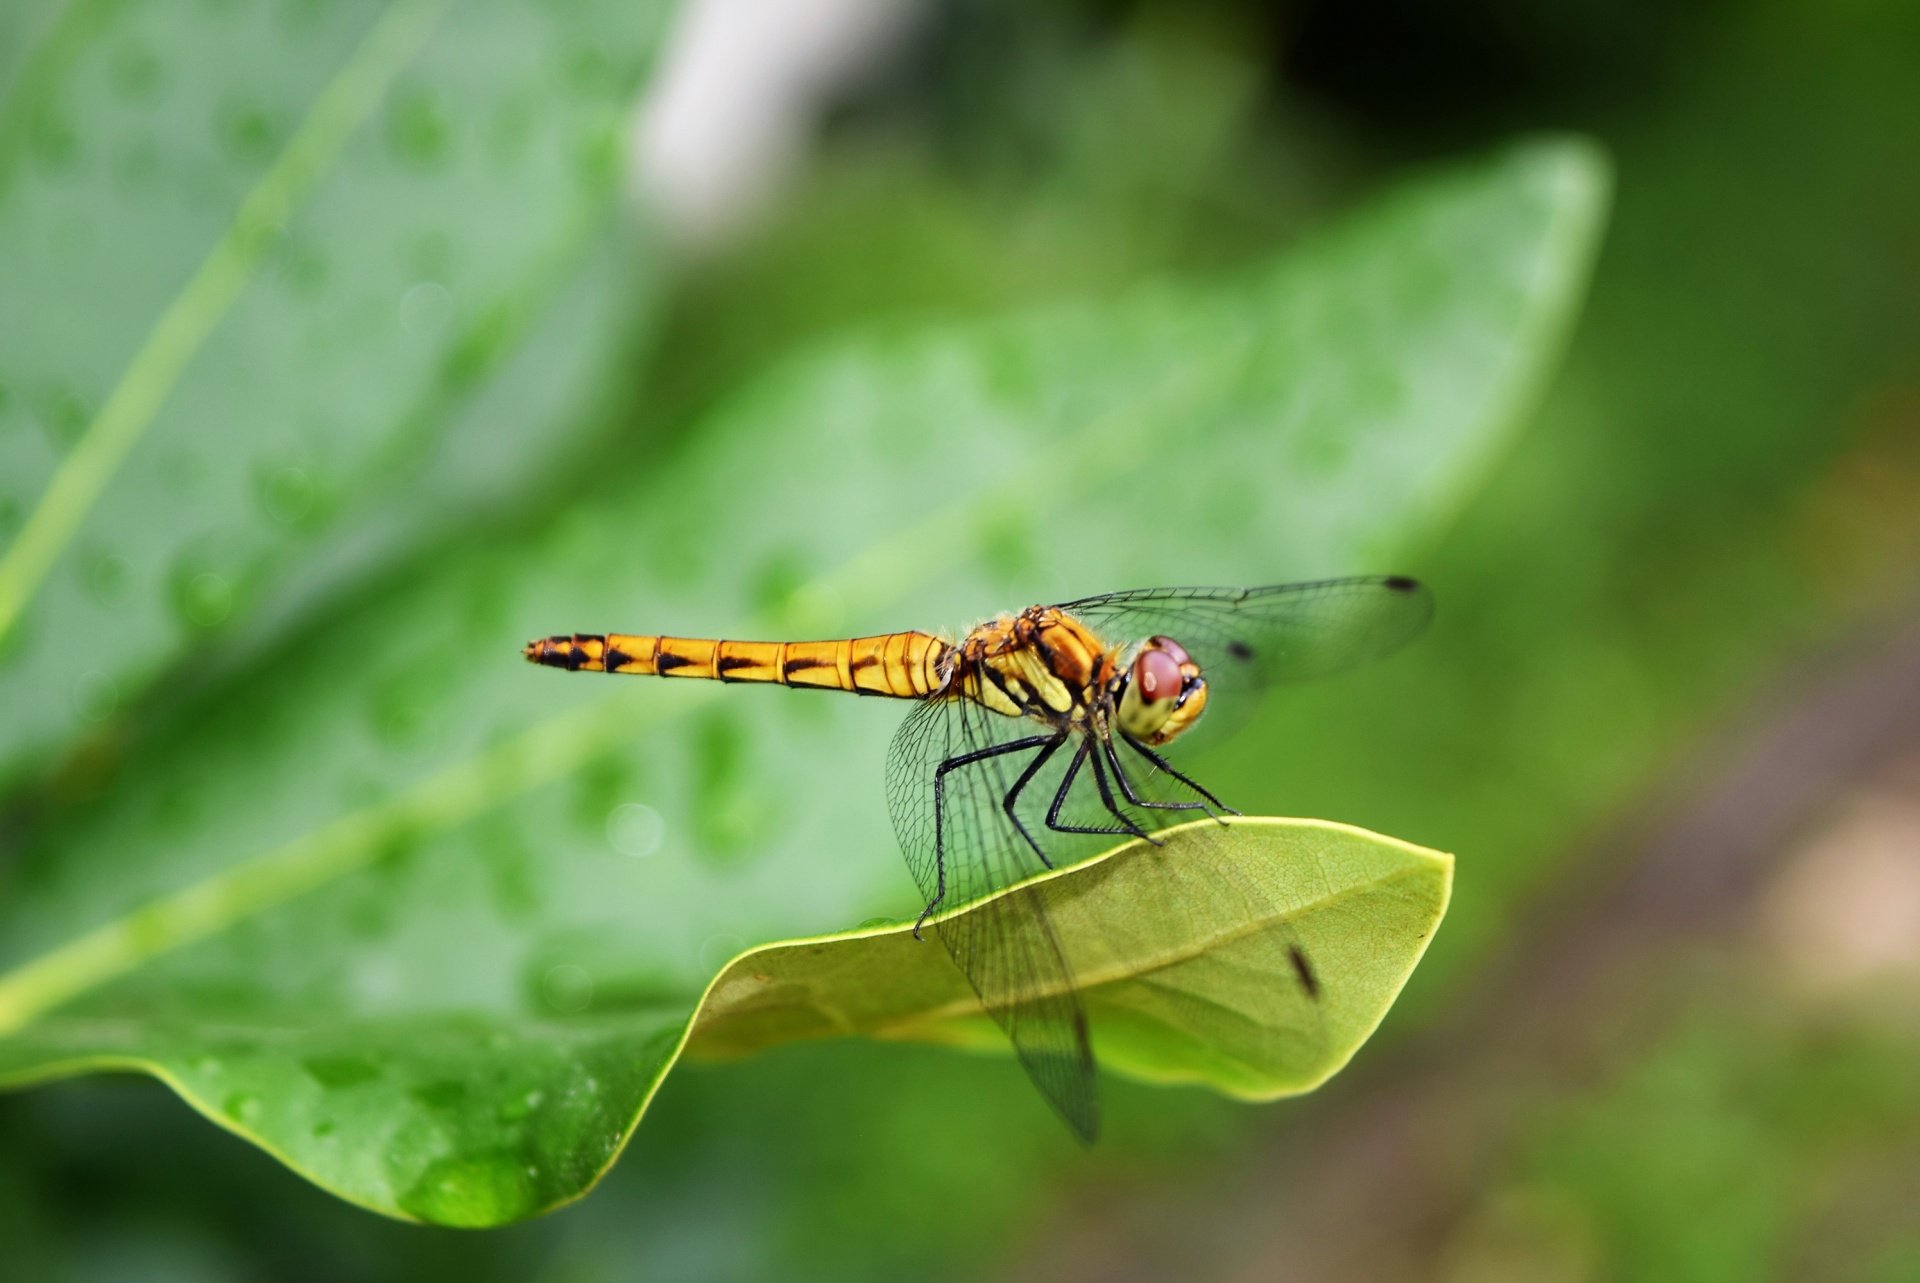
(1167, 766)
(940, 818)
(1106, 797)
(1127, 790)
(1060, 798)
(1012, 799)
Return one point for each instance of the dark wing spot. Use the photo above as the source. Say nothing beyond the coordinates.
(1400, 583)
(1301, 968)
(667, 661)
(1239, 650)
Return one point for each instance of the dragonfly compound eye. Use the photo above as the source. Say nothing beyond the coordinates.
(1163, 693)
(1168, 646)
(1157, 675)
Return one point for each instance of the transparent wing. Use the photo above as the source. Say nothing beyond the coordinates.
(961, 845)
(1281, 633)
(1074, 795)
(1247, 639)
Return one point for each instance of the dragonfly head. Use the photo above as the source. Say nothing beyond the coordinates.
(1161, 692)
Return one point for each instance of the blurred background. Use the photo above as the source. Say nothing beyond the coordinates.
(1670, 719)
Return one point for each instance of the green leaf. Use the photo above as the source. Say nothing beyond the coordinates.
(267, 274)
(1205, 995)
(395, 833)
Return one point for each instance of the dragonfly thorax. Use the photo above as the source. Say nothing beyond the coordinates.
(1040, 663)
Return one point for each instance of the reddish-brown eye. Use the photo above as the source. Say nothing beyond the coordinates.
(1173, 648)
(1157, 674)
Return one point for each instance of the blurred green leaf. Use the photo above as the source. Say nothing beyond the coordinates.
(396, 835)
(264, 265)
(1181, 953)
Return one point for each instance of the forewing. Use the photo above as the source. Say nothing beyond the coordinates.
(1247, 639)
(1282, 633)
(1006, 946)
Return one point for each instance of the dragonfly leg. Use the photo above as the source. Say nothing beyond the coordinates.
(1167, 766)
(940, 817)
(1106, 796)
(1012, 799)
(1127, 789)
(1060, 798)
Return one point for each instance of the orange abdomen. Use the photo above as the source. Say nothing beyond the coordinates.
(902, 665)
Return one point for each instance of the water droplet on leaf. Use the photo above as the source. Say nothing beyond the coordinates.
(445, 1094)
(515, 1109)
(418, 130)
(635, 829)
(288, 495)
(567, 987)
(474, 1191)
(426, 308)
(249, 134)
(337, 1072)
(65, 415)
(206, 599)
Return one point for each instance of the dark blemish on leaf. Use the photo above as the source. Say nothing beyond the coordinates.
(1308, 981)
(1239, 650)
(1400, 583)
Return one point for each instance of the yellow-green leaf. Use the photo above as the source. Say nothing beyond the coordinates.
(1183, 954)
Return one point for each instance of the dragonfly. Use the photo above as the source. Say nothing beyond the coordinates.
(1041, 733)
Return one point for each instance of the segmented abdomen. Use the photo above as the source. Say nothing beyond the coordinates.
(903, 665)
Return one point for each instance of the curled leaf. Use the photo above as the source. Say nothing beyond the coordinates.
(1194, 958)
